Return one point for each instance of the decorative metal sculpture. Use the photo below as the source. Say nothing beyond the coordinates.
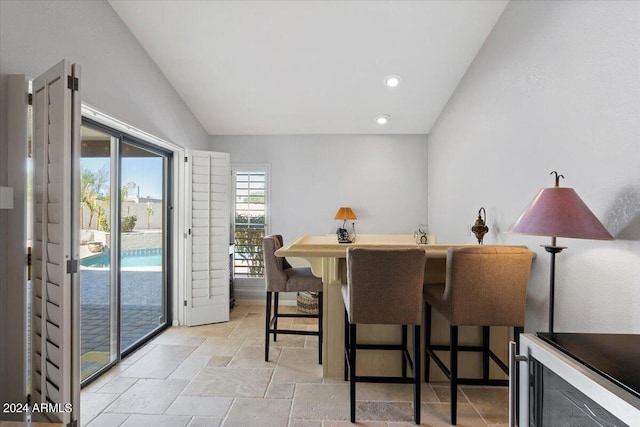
(480, 228)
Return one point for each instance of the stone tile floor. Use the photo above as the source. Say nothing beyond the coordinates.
(215, 375)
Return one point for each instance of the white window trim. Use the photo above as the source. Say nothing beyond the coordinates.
(112, 122)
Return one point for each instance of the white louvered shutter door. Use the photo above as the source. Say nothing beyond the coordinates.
(209, 176)
(55, 382)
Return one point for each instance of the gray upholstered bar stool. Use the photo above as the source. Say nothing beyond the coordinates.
(281, 277)
(485, 286)
(384, 287)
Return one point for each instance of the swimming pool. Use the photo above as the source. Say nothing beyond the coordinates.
(131, 258)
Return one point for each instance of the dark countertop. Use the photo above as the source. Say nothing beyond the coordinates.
(614, 356)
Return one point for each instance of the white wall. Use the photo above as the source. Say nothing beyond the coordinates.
(383, 178)
(118, 78)
(555, 87)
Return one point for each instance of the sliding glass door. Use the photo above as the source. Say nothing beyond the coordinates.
(124, 258)
(143, 302)
(98, 297)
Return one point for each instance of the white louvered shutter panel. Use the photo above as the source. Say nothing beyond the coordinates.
(55, 309)
(209, 196)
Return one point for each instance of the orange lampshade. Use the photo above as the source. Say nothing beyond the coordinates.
(345, 213)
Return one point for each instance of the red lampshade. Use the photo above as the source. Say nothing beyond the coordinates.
(560, 212)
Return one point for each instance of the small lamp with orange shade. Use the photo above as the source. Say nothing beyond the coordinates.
(345, 214)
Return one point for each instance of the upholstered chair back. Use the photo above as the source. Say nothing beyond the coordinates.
(487, 285)
(275, 278)
(384, 286)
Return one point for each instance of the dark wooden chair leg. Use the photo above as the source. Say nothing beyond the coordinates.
(416, 373)
(517, 330)
(275, 316)
(485, 351)
(352, 370)
(267, 327)
(402, 354)
(454, 373)
(427, 341)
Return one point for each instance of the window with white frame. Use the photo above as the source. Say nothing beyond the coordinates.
(250, 218)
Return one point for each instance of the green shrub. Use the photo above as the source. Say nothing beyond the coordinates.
(129, 223)
(103, 224)
(248, 242)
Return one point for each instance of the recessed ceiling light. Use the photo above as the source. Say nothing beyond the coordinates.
(383, 119)
(392, 81)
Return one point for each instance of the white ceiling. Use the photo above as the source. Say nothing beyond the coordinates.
(312, 67)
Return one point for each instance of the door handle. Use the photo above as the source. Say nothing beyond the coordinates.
(513, 382)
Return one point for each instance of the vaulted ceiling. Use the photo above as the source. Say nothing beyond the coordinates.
(312, 67)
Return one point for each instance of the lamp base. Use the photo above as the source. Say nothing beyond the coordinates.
(553, 250)
(344, 237)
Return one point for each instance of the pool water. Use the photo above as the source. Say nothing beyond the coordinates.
(131, 258)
